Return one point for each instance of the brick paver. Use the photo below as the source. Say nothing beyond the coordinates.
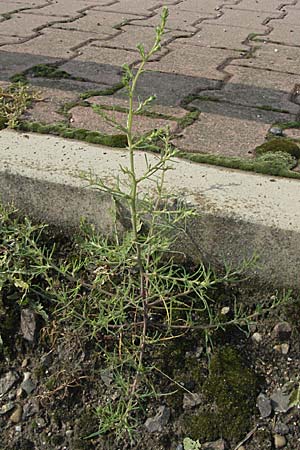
(235, 61)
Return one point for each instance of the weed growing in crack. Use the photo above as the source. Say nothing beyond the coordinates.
(14, 100)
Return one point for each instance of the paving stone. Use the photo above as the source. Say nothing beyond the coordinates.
(117, 100)
(13, 63)
(66, 85)
(193, 61)
(170, 89)
(51, 43)
(293, 133)
(7, 7)
(228, 130)
(9, 40)
(142, 7)
(97, 22)
(65, 8)
(24, 25)
(218, 36)
(260, 5)
(132, 35)
(85, 117)
(275, 57)
(252, 20)
(46, 111)
(259, 88)
(178, 19)
(282, 34)
(209, 6)
(100, 64)
(293, 15)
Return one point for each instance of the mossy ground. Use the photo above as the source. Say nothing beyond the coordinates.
(230, 390)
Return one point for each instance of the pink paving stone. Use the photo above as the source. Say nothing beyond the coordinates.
(100, 64)
(4, 40)
(192, 60)
(260, 5)
(84, 117)
(227, 130)
(97, 21)
(178, 19)
(252, 20)
(281, 58)
(66, 8)
(140, 7)
(131, 35)
(293, 133)
(293, 15)
(216, 36)
(208, 6)
(6, 7)
(24, 25)
(282, 34)
(52, 43)
(123, 102)
(259, 88)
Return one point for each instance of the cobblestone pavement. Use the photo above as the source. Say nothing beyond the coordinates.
(237, 63)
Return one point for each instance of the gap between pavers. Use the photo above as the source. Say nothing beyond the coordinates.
(240, 213)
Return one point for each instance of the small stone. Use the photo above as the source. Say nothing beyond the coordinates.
(280, 401)
(264, 405)
(41, 423)
(156, 423)
(225, 310)
(257, 338)
(281, 428)
(279, 441)
(16, 416)
(191, 400)
(276, 131)
(7, 382)
(24, 363)
(282, 331)
(27, 384)
(28, 324)
(179, 447)
(6, 408)
(107, 377)
(69, 433)
(216, 445)
(285, 349)
(18, 428)
(242, 448)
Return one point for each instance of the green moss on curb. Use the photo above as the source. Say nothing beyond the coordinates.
(250, 165)
(279, 145)
(92, 137)
(232, 388)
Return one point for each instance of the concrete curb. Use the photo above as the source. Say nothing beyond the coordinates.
(240, 213)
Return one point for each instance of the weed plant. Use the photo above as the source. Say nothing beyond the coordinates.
(14, 100)
(129, 295)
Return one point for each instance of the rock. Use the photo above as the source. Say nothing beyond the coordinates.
(27, 384)
(69, 433)
(285, 349)
(16, 416)
(225, 310)
(264, 405)
(281, 428)
(30, 409)
(18, 428)
(257, 338)
(7, 382)
(276, 131)
(157, 422)
(242, 448)
(280, 401)
(6, 408)
(217, 445)
(190, 400)
(107, 377)
(28, 324)
(279, 441)
(282, 331)
(179, 447)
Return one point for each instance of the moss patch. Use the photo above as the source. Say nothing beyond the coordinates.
(62, 130)
(252, 165)
(231, 391)
(279, 145)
